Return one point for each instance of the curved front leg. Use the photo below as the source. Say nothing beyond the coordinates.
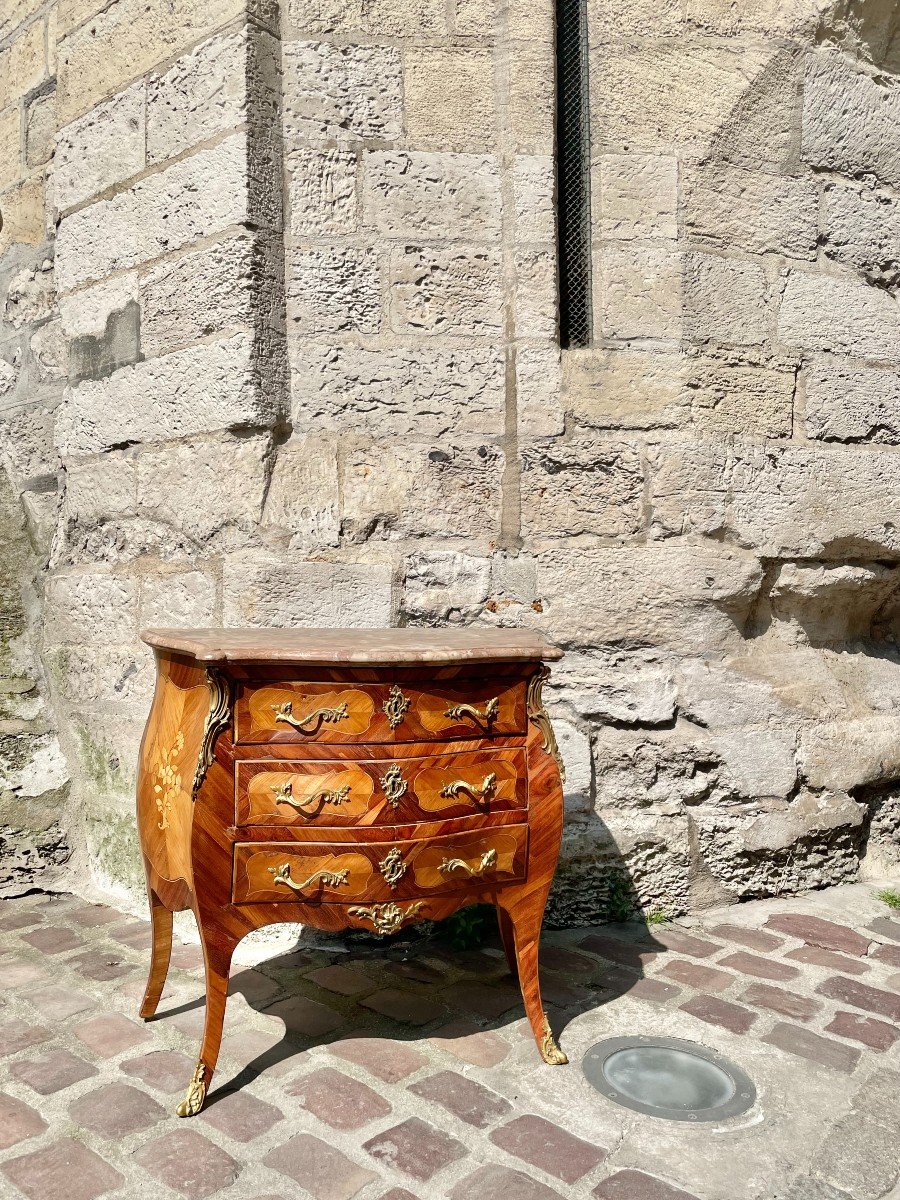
(525, 917)
(160, 953)
(217, 954)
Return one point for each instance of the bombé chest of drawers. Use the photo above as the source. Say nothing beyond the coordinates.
(346, 778)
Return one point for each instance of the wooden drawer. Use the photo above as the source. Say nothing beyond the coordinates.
(379, 712)
(352, 872)
(382, 792)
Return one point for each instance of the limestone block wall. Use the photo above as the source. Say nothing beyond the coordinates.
(280, 346)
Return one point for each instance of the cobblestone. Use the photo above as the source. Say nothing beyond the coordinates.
(459, 1105)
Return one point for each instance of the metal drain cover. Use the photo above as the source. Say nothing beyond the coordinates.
(669, 1078)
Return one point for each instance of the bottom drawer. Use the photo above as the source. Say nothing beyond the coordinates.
(346, 872)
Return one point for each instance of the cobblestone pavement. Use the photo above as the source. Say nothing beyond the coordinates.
(386, 1074)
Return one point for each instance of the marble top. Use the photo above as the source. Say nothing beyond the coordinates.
(371, 646)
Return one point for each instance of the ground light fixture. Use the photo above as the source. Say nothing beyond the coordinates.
(669, 1078)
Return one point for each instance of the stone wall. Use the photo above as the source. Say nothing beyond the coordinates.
(295, 361)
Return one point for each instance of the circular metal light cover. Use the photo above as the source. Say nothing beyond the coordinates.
(668, 1078)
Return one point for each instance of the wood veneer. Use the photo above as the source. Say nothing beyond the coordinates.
(410, 814)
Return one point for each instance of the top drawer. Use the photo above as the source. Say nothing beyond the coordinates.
(379, 712)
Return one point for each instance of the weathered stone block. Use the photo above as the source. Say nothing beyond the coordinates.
(640, 292)
(624, 689)
(441, 586)
(125, 40)
(575, 750)
(850, 403)
(752, 210)
(193, 198)
(322, 191)
(850, 119)
(537, 298)
(724, 300)
(27, 445)
(772, 17)
(204, 490)
(415, 393)
(262, 589)
(390, 18)
(785, 502)
(625, 389)
(581, 486)
(638, 196)
(396, 491)
(10, 146)
(862, 229)
(91, 608)
(185, 598)
(414, 194)
(303, 497)
(531, 99)
(436, 290)
(85, 674)
(100, 149)
(730, 396)
(92, 310)
(40, 129)
(534, 186)
(819, 312)
(685, 598)
(23, 214)
(99, 491)
(332, 289)
(538, 390)
(659, 18)
(202, 292)
(202, 389)
(341, 91)
(449, 98)
(23, 64)
(202, 94)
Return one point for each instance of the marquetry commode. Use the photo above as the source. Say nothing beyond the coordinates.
(364, 778)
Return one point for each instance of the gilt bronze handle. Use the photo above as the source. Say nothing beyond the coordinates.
(469, 710)
(485, 792)
(282, 875)
(487, 862)
(284, 794)
(284, 712)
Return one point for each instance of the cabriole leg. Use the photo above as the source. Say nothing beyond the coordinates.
(217, 958)
(160, 952)
(526, 925)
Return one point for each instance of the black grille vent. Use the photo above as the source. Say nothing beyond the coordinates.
(573, 140)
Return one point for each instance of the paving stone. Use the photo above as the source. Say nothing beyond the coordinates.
(18, 1121)
(390, 1061)
(818, 932)
(561, 994)
(789, 1004)
(653, 990)
(465, 1098)
(879, 1035)
(818, 957)
(762, 968)
(464, 1040)
(168, 1070)
(101, 965)
(53, 941)
(635, 1185)
(23, 975)
(240, 1115)
(338, 1100)
(65, 1169)
(887, 954)
(825, 1051)
(56, 1004)
(715, 1011)
(481, 998)
(89, 916)
(188, 1162)
(614, 950)
(546, 1146)
(53, 1071)
(24, 920)
(494, 1180)
(319, 1168)
(116, 1110)
(342, 980)
(406, 1007)
(18, 1035)
(885, 927)
(187, 958)
(756, 939)
(555, 958)
(415, 1148)
(267, 1050)
(696, 976)
(680, 942)
(398, 1194)
(306, 1018)
(110, 1033)
(418, 971)
(861, 995)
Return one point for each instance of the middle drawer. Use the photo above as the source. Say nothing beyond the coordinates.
(382, 792)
